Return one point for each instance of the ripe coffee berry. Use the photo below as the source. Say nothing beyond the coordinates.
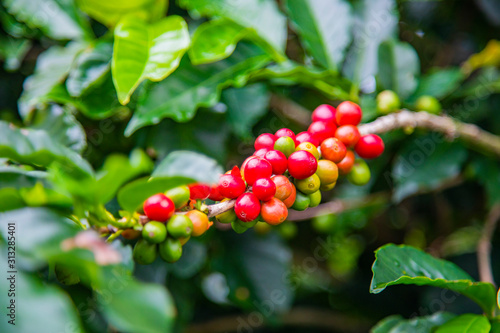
(283, 187)
(278, 161)
(158, 207)
(302, 164)
(324, 112)
(231, 186)
(348, 113)
(346, 164)
(261, 152)
(265, 140)
(305, 137)
(333, 149)
(154, 232)
(200, 222)
(284, 132)
(215, 194)
(264, 189)
(291, 199)
(247, 207)
(257, 168)
(348, 134)
(285, 144)
(322, 130)
(370, 146)
(274, 211)
(199, 191)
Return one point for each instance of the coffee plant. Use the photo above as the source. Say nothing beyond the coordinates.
(156, 158)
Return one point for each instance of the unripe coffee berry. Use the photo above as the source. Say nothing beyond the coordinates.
(158, 207)
(226, 217)
(306, 137)
(429, 104)
(308, 185)
(247, 207)
(347, 162)
(370, 146)
(264, 189)
(154, 232)
(324, 112)
(179, 226)
(257, 168)
(327, 172)
(200, 222)
(348, 134)
(315, 198)
(284, 132)
(360, 174)
(286, 145)
(170, 250)
(327, 187)
(302, 202)
(302, 164)
(199, 191)
(283, 187)
(307, 146)
(144, 252)
(291, 198)
(348, 113)
(278, 160)
(231, 186)
(265, 140)
(274, 211)
(322, 130)
(179, 196)
(333, 149)
(387, 102)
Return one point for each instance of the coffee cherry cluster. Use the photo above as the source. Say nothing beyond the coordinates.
(290, 171)
(168, 225)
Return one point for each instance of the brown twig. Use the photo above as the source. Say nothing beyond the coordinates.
(484, 245)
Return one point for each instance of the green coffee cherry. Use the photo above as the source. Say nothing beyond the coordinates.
(315, 198)
(144, 252)
(66, 275)
(240, 227)
(302, 201)
(179, 195)
(179, 226)
(360, 173)
(308, 185)
(227, 217)
(429, 104)
(324, 223)
(170, 250)
(286, 145)
(388, 102)
(287, 230)
(154, 232)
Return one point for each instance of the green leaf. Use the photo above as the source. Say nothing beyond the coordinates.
(146, 51)
(407, 265)
(438, 83)
(39, 148)
(374, 22)
(13, 51)
(132, 196)
(109, 12)
(51, 69)
(324, 27)
(488, 175)
(90, 66)
(398, 67)
(262, 16)
(467, 323)
(245, 106)
(425, 324)
(131, 306)
(190, 87)
(425, 164)
(189, 165)
(61, 126)
(215, 40)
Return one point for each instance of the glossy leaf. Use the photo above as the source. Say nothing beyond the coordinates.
(13, 51)
(324, 27)
(189, 165)
(111, 11)
(398, 67)
(467, 323)
(191, 87)
(262, 16)
(425, 164)
(132, 196)
(146, 51)
(58, 19)
(439, 83)
(407, 265)
(425, 324)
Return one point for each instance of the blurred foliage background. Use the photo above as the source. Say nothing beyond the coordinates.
(71, 78)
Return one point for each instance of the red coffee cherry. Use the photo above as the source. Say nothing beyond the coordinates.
(261, 152)
(264, 189)
(284, 132)
(265, 140)
(199, 191)
(283, 187)
(247, 207)
(370, 146)
(321, 130)
(231, 186)
(159, 207)
(215, 194)
(274, 211)
(348, 113)
(348, 134)
(257, 168)
(305, 137)
(347, 163)
(302, 164)
(291, 198)
(278, 161)
(333, 149)
(324, 112)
